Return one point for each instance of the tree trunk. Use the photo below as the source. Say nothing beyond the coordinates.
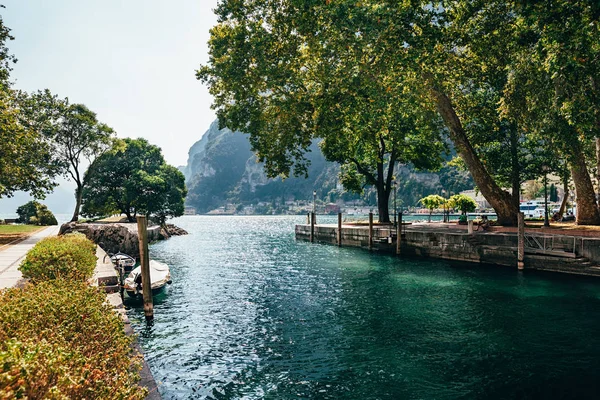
(383, 204)
(598, 167)
(515, 171)
(500, 200)
(587, 208)
(563, 203)
(78, 195)
(384, 189)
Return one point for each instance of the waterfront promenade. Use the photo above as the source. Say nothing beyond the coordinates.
(11, 256)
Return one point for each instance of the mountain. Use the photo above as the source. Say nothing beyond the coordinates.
(221, 169)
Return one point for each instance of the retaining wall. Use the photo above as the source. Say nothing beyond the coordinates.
(581, 254)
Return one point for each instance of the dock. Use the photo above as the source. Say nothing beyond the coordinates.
(557, 252)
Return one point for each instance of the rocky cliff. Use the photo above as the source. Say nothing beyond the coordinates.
(222, 169)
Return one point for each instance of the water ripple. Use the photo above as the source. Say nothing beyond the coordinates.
(254, 314)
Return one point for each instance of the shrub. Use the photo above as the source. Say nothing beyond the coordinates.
(70, 257)
(463, 203)
(59, 339)
(36, 213)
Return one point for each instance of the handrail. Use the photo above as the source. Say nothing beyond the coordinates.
(545, 243)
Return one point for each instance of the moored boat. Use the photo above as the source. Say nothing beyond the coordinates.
(124, 260)
(160, 276)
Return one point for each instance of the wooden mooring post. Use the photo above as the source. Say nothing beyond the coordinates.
(399, 234)
(339, 231)
(521, 241)
(370, 231)
(142, 224)
(312, 227)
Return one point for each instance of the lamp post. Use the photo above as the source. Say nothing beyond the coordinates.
(314, 201)
(444, 210)
(395, 204)
(546, 222)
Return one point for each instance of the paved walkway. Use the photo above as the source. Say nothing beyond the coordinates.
(11, 256)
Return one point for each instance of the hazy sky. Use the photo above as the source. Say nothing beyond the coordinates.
(133, 62)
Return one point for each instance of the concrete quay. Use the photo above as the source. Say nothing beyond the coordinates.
(566, 253)
(11, 256)
(106, 276)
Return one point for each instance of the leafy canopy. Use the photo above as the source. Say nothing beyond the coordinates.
(463, 203)
(132, 178)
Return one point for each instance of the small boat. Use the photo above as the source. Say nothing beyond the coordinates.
(160, 276)
(124, 260)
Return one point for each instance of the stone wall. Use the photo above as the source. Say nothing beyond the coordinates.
(576, 255)
(115, 237)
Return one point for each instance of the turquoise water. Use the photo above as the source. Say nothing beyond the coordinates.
(254, 314)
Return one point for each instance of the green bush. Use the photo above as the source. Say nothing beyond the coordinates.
(59, 340)
(36, 213)
(69, 257)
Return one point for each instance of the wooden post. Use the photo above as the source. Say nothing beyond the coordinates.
(399, 235)
(370, 231)
(521, 242)
(339, 231)
(470, 227)
(312, 227)
(308, 219)
(142, 224)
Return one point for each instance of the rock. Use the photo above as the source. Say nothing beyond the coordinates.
(173, 230)
(123, 237)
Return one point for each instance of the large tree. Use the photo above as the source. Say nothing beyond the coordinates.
(73, 131)
(132, 178)
(553, 86)
(274, 77)
(273, 53)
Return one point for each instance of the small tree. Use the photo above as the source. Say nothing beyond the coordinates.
(133, 178)
(35, 213)
(463, 203)
(432, 202)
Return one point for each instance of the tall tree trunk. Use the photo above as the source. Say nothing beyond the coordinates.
(501, 201)
(383, 206)
(515, 173)
(383, 194)
(78, 195)
(598, 167)
(587, 208)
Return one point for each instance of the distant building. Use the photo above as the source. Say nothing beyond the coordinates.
(189, 211)
(478, 197)
(332, 208)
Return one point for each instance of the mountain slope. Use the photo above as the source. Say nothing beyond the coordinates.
(221, 169)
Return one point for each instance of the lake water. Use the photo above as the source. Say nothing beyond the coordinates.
(254, 314)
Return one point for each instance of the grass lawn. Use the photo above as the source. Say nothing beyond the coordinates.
(10, 233)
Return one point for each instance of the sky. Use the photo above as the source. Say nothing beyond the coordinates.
(132, 62)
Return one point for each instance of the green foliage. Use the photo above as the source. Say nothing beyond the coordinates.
(432, 202)
(35, 213)
(132, 178)
(60, 340)
(71, 257)
(463, 203)
(73, 131)
(288, 73)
